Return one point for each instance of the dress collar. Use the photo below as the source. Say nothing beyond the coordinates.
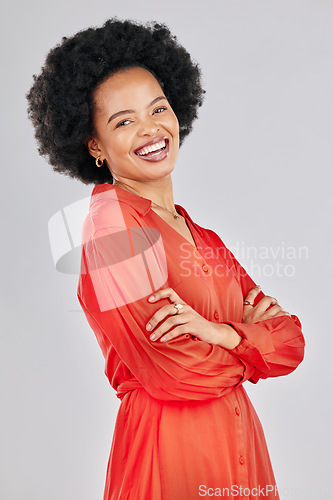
(140, 204)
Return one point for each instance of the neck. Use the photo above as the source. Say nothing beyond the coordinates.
(159, 191)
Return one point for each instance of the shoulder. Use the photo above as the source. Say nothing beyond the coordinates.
(107, 213)
(108, 209)
(212, 236)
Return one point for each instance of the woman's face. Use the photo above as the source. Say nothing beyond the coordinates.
(132, 118)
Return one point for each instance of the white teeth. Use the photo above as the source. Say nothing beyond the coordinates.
(153, 147)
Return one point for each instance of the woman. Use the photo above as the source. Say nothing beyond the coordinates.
(180, 323)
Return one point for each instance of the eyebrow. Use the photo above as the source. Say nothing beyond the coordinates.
(125, 111)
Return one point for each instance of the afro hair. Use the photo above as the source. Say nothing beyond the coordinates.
(60, 101)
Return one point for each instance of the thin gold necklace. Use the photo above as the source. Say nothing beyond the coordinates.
(174, 214)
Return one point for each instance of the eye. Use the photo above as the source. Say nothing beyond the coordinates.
(159, 110)
(122, 123)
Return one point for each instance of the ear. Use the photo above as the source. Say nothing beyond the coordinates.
(93, 147)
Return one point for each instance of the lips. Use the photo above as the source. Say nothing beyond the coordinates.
(150, 143)
(154, 150)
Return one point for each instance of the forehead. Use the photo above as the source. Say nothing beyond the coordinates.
(125, 87)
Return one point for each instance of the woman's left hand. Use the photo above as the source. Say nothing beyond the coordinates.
(186, 321)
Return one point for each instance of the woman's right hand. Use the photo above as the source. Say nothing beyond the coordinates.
(262, 311)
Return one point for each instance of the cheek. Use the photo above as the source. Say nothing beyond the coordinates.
(174, 124)
(175, 119)
(177, 130)
(118, 144)
(177, 125)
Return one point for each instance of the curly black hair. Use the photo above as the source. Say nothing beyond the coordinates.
(60, 101)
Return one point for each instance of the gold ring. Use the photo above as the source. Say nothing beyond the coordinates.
(178, 307)
(248, 303)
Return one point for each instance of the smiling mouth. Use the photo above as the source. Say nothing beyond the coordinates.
(154, 152)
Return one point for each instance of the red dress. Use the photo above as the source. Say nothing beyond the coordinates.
(185, 428)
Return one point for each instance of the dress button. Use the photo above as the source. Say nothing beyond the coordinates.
(237, 410)
(241, 460)
(216, 315)
(205, 268)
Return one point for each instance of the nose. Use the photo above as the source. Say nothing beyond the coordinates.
(148, 126)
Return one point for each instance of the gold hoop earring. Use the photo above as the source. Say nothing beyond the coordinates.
(99, 162)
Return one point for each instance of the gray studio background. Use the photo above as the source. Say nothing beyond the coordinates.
(256, 169)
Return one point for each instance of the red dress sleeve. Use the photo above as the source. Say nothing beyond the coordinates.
(275, 346)
(121, 265)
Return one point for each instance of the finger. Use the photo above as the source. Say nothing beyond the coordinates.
(252, 294)
(179, 330)
(282, 313)
(265, 303)
(171, 322)
(271, 312)
(161, 314)
(166, 293)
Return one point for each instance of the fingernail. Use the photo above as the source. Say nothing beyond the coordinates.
(148, 326)
(258, 286)
(151, 298)
(153, 336)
